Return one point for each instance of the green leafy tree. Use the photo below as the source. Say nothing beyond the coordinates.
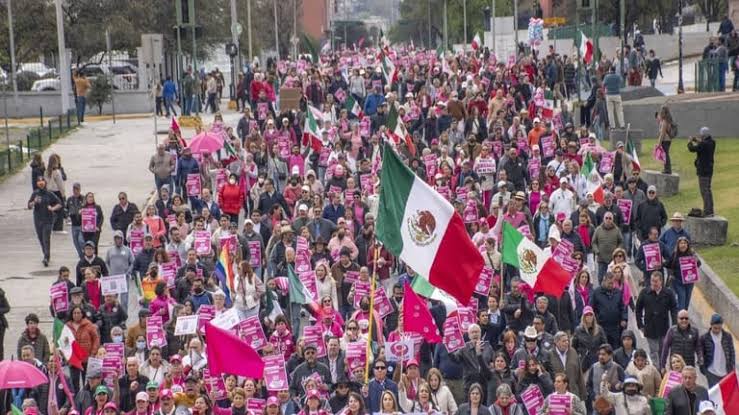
(100, 93)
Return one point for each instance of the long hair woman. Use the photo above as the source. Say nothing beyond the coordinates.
(249, 290)
(667, 131)
(589, 335)
(55, 184)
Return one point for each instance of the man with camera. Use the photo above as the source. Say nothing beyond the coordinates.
(704, 147)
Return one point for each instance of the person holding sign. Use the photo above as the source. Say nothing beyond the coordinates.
(561, 401)
(685, 267)
(652, 254)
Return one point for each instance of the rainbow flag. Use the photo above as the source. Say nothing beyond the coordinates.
(225, 273)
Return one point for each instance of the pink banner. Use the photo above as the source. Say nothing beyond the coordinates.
(214, 385)
(275, 375)
(625, 205)
(206, 312)
(201, 242)
(361, 289)
(155, 335)
(255, 405)
(356, 351)
(110, 367)
(606, 162)
(351, 277)
(484, 282)
(564, 249)
(547, 146)
(560, 404)
(302, 261)
(462, 194)
(136, 241)
(301, 244)
(673, 379)
(534, 167)
(59, 294)
(532, 399)
(229, 242)
(382, 304)
(255, 253)
(314, 335)
(689, 269)
(168, 273)
(193, 184)
(652, 256)
(252, 332)
(262, 110)
(89, 219)
(309, 281)
(466, 317)
(453, 339)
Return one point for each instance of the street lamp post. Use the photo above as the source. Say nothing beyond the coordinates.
(446, 36)
(515, 26)
(277, 35)
(680, 86)
(464, 12)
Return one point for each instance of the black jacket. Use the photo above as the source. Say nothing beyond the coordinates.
(609, 307)
(4, 309)
(127, 396)
(650, 213)
(653, 310)
(704, 155)
(97, 263)
(266, 202)
(678, 402)
(120, 219)
(707, 346)
(562, 310)
(686, 343)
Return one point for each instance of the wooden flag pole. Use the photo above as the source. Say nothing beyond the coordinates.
(371, 313)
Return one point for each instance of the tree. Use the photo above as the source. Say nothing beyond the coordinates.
(263, 25)
(34, 30)
(100, 93)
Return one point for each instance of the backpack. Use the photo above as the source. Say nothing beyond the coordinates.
(673, 130)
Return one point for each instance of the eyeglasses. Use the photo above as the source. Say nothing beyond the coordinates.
(619, 255)
(380, 367)
(530, 340)
(683, 318)
(121, 198)
(651, 192)
(352, 328)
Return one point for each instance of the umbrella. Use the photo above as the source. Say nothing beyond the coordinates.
(206, 141)
(17, 374)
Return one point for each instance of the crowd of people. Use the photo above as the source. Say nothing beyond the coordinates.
(295, 190)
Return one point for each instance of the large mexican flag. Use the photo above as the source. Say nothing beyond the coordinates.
(420, 227)
(536, 269)
(64, 339)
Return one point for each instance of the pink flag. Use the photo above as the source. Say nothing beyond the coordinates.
(229, 354)
(417, 317)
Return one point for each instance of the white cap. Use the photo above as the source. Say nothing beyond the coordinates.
(536, 119)
(706, 407)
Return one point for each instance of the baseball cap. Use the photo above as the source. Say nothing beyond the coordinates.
(118, 234)
(165, 393)
(142, 396)
(716, 319)
(272, 400)
(152, 385)
(175, 358)
(652, 188)
(312, 394)
(412, 362)
(101, 389)
(587, 310)
(706, 407)
(111, 405)
(248, 222)
(536, 119)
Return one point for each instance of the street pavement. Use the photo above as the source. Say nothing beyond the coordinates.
(106, 158)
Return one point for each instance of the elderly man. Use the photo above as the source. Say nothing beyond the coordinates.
(685, 398)
(474, 358)
(131, 383)
(682, 339)
(606, 238)
(307, 369)
(564, 359)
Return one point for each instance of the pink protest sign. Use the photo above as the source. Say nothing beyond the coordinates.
(255, 405)
(136, 241)
(444, 191)
(356, 351)
(206, 312)
(348, 197)
(453, 339)
(462, 194)
(275, 375)
(155, 335)
(361, 289)
(547, 146)
(564, 249)
(532, 399)
(534, 167)
(364, 127)
(351, 277)
(115, 351)
(366, 182)
(470, 212)
(606, 162)
(689, 269)
(110, 369)
(560, 404)
(89, 218)
(652, 256)
(301, 244)
(522, 145)
(429, 162)
(484, 282)
(314, 335)
(625, 205)
(59, 294)
(309, 281)
(302, 261)
(201, 242)
(262, 110)
(214, 385)
(497, 148)
(168, 273)
(221, 178)
(571, 265)
(193, 184)
(229, 242)
(252, 332)
(383, 307)
(466, 317)
(340, 95)
(255, 253)
(171, 220)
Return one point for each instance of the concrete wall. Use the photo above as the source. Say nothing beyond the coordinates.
(719, 296)
(29, 103)
(718, 115)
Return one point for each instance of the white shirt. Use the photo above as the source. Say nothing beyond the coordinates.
(562, 201)
(718, 366)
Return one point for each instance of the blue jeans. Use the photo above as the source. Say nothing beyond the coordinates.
(123, 297)
(81, 103)
(683, 291)
(629, 244)
(161, 182)
(186, 104)
(722, 68)
(169, 104)
(602, 269)
(77, 239)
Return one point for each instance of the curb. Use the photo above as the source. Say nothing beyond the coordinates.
(722, 299)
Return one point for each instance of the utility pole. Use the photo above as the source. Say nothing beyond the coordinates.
(108, 48)
(63, 65)
(428, 3)
(11, 35)
(235, 34)
(622, 25)
(295, 30)
(594, 34)
(492, 29)
(680, 85)
(515, 26)
(277, 35)
(464, 12)
(191, 19)
(248, 28)
(446, 34)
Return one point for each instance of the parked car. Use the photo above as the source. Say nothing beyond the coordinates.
(38, 68)
(125, 77)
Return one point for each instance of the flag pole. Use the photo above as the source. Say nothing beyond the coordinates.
(371, 312)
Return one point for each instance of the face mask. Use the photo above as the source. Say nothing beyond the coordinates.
(117, 339)
(630, 392)
(141, 345)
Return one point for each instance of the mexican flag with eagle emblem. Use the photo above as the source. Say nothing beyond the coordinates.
(420, 227)
(538, 270)
(64, 339)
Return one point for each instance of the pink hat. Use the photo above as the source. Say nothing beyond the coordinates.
(313, 394)
(166, 393)
(412, 362)
(588, 310)
(110, 405)
(272, 400)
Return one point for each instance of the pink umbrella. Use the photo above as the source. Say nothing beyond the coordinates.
(206, 142)
(16, 374)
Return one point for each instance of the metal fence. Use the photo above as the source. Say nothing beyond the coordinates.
(19, 153)
(707, 75)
